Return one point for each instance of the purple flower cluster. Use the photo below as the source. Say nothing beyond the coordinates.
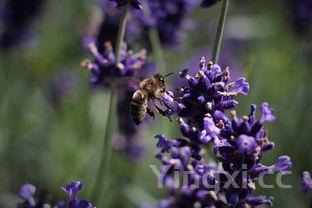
(240, 150)
(169, 18)
(238, 144)
(204, 99)
(27, 193)
(104, 68)
(16, 17)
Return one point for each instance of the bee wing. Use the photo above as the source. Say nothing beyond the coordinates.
(124, 81)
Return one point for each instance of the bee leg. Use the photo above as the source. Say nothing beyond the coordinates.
(162, 112)
(167, 106)
(150, 113)
(159, 100)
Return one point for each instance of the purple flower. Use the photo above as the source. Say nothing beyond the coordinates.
(203, 99)
(306, 183)
(267, 113)
(27, 193)
(283, 164)
(169, 18)
(240, 86)
(246, 144)
(106, 71)
(72, 189)
(239, 145)
(210, 131)
(163, 144)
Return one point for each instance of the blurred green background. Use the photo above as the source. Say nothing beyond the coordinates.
(49, 143)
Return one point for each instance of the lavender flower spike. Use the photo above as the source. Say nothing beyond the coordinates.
(104, 67)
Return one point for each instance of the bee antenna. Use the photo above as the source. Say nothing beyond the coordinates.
(167, 75)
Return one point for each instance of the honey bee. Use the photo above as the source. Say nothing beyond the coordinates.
(149, 89)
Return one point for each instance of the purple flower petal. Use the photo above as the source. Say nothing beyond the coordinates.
(241, 86)
(306, 183)
(227, 104)
(259, 200)
(72, 189)
(283, 164)
(164, 144)
(267, 113)
(83, 204)
(27, 192)
(210, 127)
(246, 144)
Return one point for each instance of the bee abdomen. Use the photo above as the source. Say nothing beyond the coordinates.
(138, 106)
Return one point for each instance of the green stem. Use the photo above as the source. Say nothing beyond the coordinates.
(121, 33)
(219, 34)
(100, 183)
(157, 50)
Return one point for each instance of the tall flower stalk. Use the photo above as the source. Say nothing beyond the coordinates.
(157, 50)
(100, 184)
(121, 33)
(219, 34)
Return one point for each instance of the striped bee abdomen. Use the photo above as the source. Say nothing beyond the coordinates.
(138, 106)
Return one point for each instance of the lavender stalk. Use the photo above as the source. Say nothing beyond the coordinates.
(219, 34)
(101, 182)
(121, 34)
(157, 50)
